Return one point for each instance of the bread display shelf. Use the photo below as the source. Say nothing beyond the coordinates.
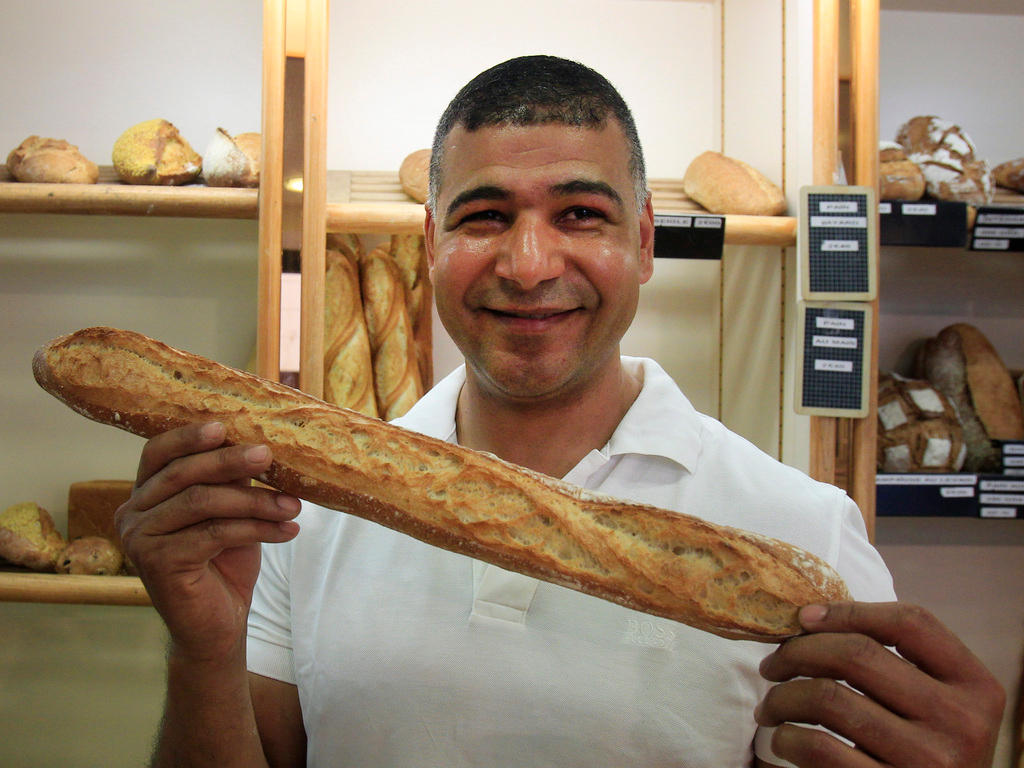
(22, 586)
(111, 197)
(365, 202)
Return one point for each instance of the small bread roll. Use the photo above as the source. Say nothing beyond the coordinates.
(91, 556)
(898, 177)
(726, 185)
(50, 161)
(1010, 174)
(29, 538)
(153, 152)
(414, 175)
(232, 161)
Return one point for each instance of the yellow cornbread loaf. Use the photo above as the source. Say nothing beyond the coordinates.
(29, 538)
(153, 152)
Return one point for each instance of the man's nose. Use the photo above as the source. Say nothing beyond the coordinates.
(529, 254)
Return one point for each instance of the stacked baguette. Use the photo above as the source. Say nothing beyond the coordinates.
(377, 325)
(723, 580)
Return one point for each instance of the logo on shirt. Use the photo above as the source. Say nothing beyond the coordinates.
(649, 634)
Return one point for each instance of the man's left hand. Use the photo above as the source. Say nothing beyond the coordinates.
(932, 703)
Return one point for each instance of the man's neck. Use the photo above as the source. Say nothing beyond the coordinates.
(550, 436)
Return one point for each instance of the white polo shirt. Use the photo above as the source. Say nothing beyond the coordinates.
(408, 655)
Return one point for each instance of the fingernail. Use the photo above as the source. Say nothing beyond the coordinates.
(257, 454)
(813, 614)
(212, 431)
(288, 503)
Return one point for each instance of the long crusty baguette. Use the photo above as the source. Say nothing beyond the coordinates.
(348, 364)
(396, 372)
(722, 580)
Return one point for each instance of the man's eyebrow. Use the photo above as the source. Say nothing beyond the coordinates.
(483, 192)
(586, 186)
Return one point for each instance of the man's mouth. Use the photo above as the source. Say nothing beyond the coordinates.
(530, 319)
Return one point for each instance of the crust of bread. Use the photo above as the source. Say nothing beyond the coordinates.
(724, 184)
(723, 580)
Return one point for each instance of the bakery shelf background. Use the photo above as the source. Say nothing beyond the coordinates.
(959, 66)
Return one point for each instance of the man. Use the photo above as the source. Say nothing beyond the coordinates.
(369, 648)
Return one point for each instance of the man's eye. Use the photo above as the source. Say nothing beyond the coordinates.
(482, 216)
(582, 214)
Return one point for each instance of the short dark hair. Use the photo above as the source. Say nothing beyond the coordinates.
(534, 90)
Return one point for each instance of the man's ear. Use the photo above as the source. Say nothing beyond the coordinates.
(646, 256)
(428, 239)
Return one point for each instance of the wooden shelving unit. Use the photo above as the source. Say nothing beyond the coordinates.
(367, 202)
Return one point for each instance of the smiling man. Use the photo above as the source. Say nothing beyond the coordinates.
(368, 648)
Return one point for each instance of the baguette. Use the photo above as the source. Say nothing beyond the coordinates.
(348, 366)
(396, 371)
(722, 580)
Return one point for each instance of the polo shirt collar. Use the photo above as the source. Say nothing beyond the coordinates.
(661, 421)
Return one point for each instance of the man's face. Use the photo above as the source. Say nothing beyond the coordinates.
(537, 254)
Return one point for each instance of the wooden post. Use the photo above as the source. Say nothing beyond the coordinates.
(823, 429)
(268, 322)
(314, 198)
(864, 17)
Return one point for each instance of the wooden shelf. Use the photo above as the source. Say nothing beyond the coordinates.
(110, 197)
(28, 587)
(364, 202)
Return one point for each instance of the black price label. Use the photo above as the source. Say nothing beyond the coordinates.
(834, 349)
(688, 236)
(837, 243)
(933, 223)
(998, 229)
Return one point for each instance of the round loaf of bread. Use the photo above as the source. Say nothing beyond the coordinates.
(232, 161)
(1010, 174)
(726, 185)
(91, 556)
(414, 175)
(154, 152)
(50, 161)
(29, 538)
(946, 156)
(918, 430)
(961, 363)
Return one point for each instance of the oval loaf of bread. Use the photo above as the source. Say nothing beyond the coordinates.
(723, 580)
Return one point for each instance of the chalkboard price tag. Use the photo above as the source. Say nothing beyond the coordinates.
(834, 350)
(688, 236)
(838, 246)
(998, 229)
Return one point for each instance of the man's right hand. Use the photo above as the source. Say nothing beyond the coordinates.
(193, 527)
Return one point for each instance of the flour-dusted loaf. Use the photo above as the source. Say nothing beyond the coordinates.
(50, 161)
(723, 580)
(946, 156)
(724, 184)
(232, 161)
(918, 428)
